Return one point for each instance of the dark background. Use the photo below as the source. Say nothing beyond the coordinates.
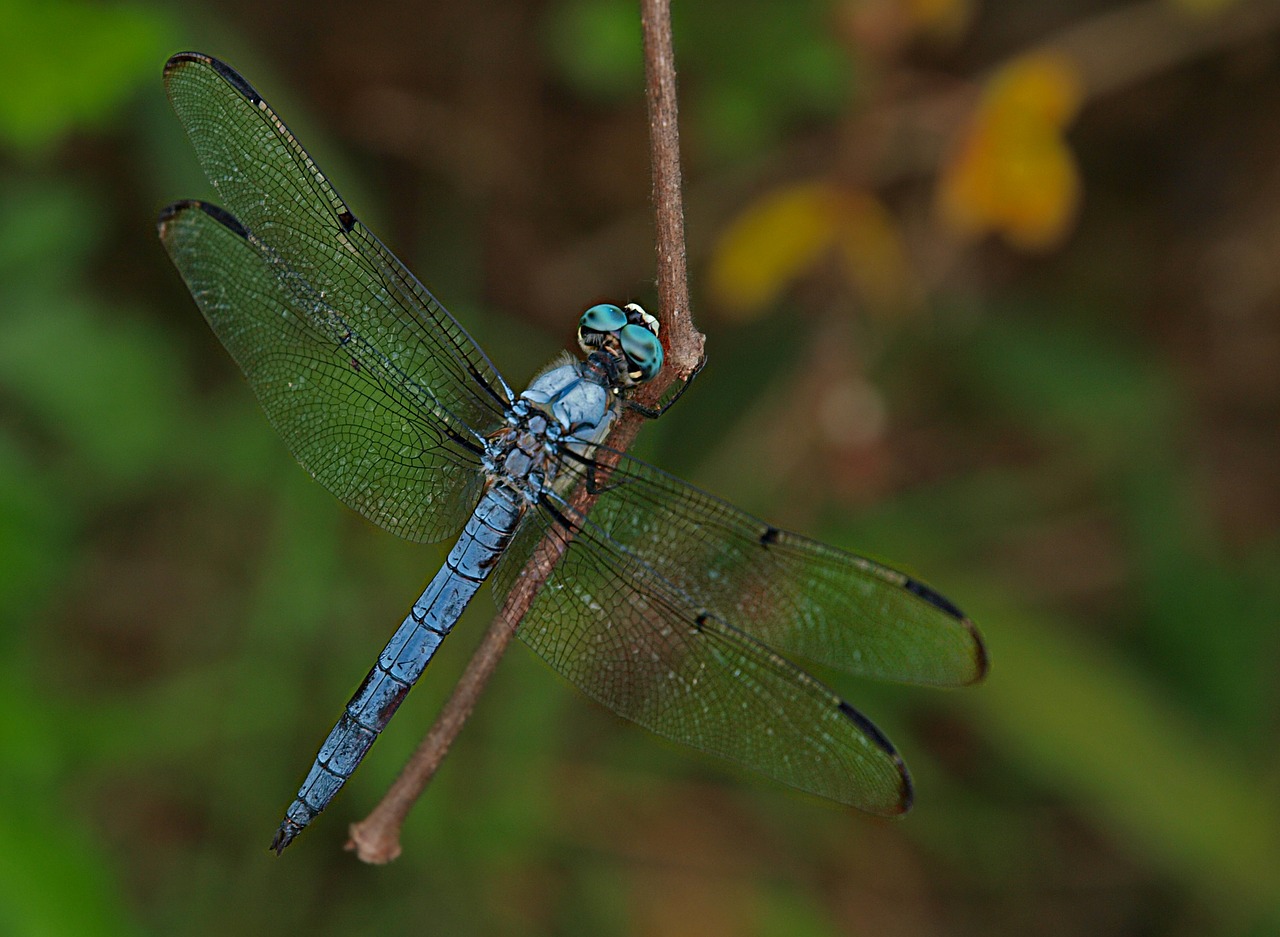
(1052, 391)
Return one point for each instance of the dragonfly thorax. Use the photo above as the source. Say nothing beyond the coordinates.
(576, 396)
(565, 408)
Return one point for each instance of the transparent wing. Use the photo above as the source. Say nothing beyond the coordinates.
(629, 638)
(794, 594)
(306, 231)
(364, 431)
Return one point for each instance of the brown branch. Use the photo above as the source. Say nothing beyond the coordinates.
(683, 342)
(376, 839)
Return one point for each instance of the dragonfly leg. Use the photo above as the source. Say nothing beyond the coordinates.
(652, 413)
(594, 485)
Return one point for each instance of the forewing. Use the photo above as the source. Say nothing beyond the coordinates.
(629, 639)
(792, 593)
(269, 183)
(362, 431)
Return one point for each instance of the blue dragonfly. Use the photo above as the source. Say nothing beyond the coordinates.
(670, 607)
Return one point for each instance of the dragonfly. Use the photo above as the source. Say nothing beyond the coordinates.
(670, 607)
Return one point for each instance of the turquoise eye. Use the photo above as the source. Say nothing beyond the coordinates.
(643, 350)
(603, 318)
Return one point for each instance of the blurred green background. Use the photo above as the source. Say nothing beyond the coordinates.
(991, 291)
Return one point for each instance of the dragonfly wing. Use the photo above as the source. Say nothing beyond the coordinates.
(298, 220)
(630, 639)
(792, 593)
(363, 432)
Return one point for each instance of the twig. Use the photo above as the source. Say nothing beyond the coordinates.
(684, 343)
(376, 839)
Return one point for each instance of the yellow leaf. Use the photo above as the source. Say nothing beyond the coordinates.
(1013, 172)
(793, 230)
(771, 243)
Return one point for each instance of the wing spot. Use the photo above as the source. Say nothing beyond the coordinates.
(869, 728)
(234, 79)
(936, 599)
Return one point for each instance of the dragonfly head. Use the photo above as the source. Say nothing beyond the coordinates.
(628, 335)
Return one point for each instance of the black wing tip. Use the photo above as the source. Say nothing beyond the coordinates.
(221, 68)
(906, 790)
(934, 598)
(178, 59)
(170, 213)
(869, 728)
(981, 660)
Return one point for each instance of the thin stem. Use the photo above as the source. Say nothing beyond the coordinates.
(376, 839)
(684, 343)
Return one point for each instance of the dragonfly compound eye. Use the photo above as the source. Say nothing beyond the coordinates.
(598, 320)
(643, 351)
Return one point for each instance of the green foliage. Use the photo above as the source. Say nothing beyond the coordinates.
(183, 611)
(1062, 376)
(745, 86)
(595, 45)
(1094, 729)
(75, 64)
(54, 879)
(766, 75)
